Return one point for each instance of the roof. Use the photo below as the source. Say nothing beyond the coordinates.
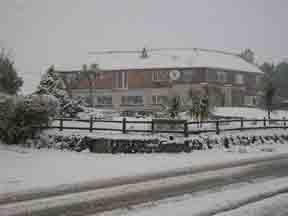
(196, 58)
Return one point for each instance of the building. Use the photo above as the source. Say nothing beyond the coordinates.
(129, 81)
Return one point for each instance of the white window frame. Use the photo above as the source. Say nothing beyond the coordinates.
(124, 80)
(156, 99)
(249, 100)
(156, 75)
(110, 96)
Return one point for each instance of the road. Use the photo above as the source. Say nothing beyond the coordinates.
(276, 205)
(103, 199)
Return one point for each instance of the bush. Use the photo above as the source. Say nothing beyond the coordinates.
(20, 117)
(70, 107)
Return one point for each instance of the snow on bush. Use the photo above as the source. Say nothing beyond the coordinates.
(89, 112)
(114, 143)
(61, 142)
(52, 84)
(20, 117)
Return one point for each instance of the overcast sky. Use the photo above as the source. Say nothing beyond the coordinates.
(62, 32)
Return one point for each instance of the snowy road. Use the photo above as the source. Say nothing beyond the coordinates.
(277, 205)
(126, 195)
(29, 169)
(265, 198)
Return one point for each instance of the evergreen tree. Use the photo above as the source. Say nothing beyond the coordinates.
(281, 79)
(269, 93)
(10, 82)
(268, 86)
(52, 84)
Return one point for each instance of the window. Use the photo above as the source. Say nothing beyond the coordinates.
(120, 80)
(100, 75)
(250, 100)
(221, 76)
(104, 100)
(71, 76)
(160, 76)
(157, 99)
(132, 100)
(211, 75)
(187, 75)
(239, 79)
(258, 79)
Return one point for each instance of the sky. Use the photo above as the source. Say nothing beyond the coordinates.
(39, 33)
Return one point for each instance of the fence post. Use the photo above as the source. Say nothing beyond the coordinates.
(124, 125)
(186, 134)
(264, 122)
(217, 127)
(242, 124)
(61, 124)
(152, 127)
(91, 124)
(284, 122)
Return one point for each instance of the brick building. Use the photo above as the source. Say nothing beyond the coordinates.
(132, 82)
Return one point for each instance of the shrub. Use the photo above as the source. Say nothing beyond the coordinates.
(20, 117)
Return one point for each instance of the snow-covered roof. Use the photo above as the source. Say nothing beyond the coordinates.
(195, 58)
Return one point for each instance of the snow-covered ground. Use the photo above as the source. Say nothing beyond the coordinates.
(217, 203)
(248, 113)
(23, 169)
(245, 112)
(277, 205)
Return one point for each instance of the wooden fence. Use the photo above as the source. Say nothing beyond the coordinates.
(175, 126)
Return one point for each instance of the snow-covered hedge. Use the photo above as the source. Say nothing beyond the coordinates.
(171, 144)
(20, 116)
(70, 143)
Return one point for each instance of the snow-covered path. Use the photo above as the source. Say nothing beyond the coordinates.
(24, 169)
(126, 195)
